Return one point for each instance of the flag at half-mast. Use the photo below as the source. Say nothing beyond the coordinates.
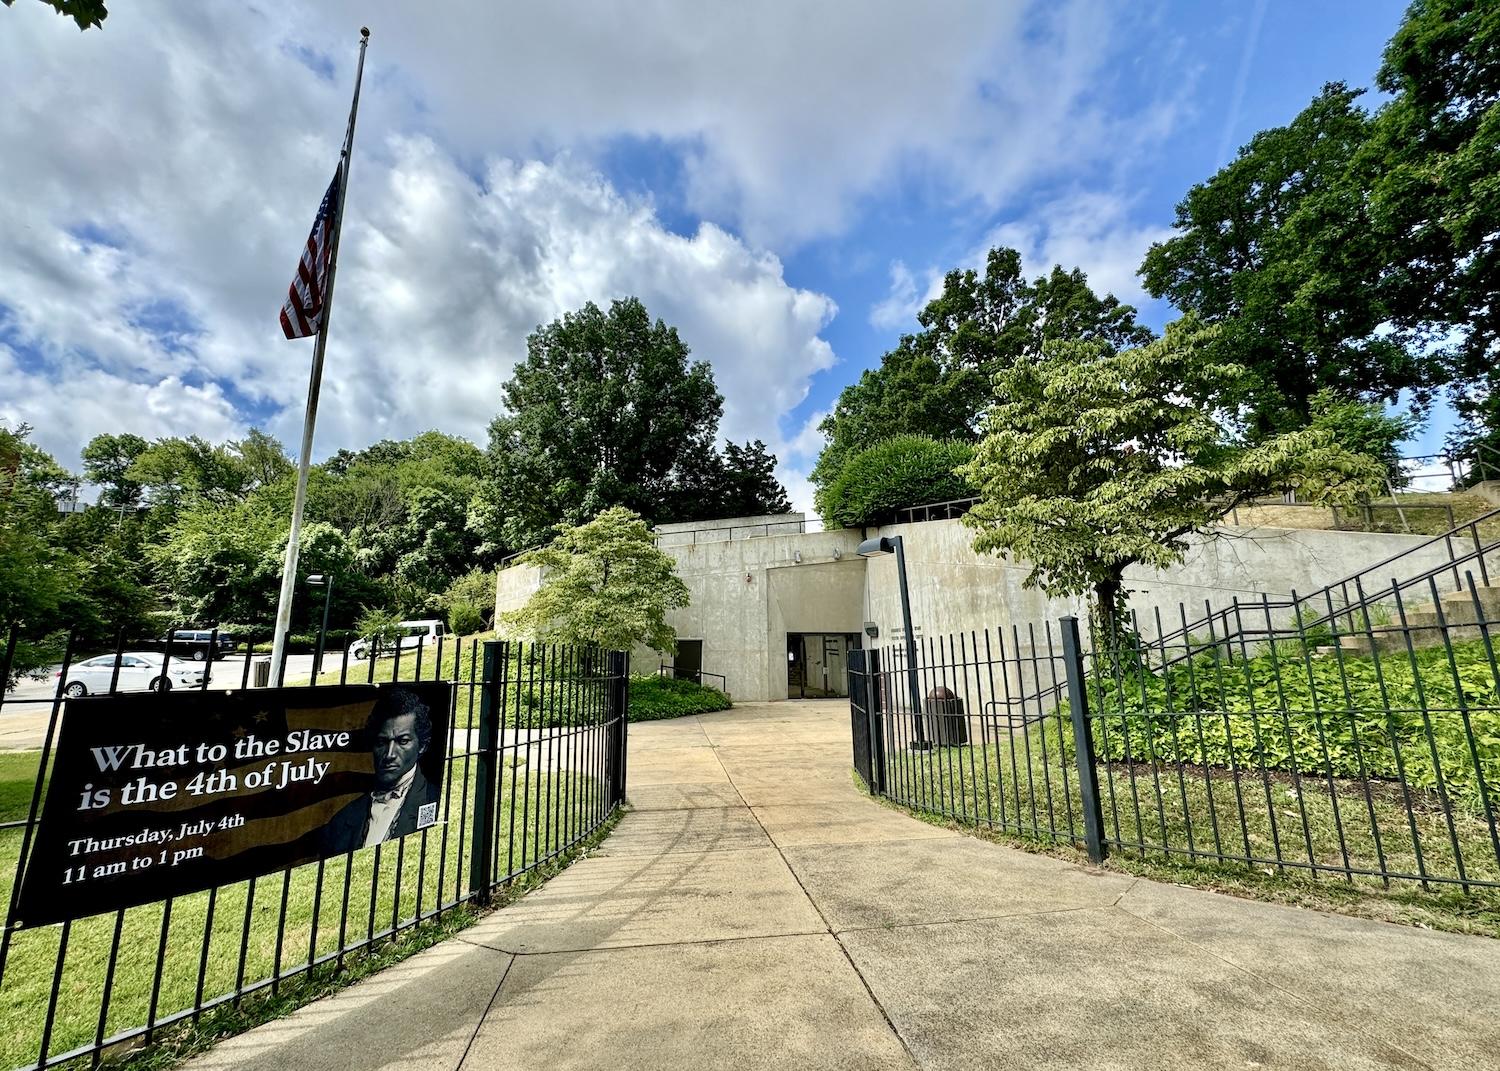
(303, 312)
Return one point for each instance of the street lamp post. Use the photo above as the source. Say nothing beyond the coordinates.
(320, 580)
(873, 548)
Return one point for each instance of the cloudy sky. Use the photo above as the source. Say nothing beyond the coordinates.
(782, 181)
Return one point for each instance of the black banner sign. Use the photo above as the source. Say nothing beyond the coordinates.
(157, 795)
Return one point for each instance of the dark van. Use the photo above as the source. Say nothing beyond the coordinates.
(194, 643)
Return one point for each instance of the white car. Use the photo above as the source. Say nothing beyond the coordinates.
(140, 671)
(414, 634)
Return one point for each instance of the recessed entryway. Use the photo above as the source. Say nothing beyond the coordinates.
(817, 664)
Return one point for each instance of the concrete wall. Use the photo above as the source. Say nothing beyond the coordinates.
(687, 533)
(953, 589)
(962, 598)
(749, 593)
(513, 586)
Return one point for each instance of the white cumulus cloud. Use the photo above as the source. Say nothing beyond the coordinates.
(143, 264)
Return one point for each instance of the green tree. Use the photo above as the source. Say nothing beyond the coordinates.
(1434, 154)
(219, 563)
(469, 602)
(740, 482)
(35, 577)
(1095, 460)
(263, 459)
(935, 383)
(56, 574)
(106, 460)
(606, 410)
(405, 507)
(874, 484)
(173, 472)
(604, 583)
(1365, 428)
(1279, 249)
(381, 629)
(86, 13)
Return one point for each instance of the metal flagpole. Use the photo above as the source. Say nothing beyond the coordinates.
(289, 566)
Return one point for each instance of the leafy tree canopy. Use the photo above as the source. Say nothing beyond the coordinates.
(874, 484)
(106, 462)
(1095, 460)
(1366, 428)
(608, 410)
(173, 472)
(87, 13)
(1434, 154)
(740, 482)
(936, 382)
(58, 573)
(1279, 249)
(604, 583)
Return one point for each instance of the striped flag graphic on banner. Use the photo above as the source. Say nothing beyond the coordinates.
(303, 311)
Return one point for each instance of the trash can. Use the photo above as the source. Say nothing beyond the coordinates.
(943, 715)
(260, 673)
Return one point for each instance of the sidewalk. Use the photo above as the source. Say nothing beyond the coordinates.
(756, 911)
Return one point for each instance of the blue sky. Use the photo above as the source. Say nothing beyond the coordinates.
(784, 183)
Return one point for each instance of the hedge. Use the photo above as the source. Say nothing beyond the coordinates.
(654, 698)
(872, 486)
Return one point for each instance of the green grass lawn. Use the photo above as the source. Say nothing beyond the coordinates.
(545, 687)
(1157, 815)
(537, 816)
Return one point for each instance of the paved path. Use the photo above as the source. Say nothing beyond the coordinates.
(756, 911)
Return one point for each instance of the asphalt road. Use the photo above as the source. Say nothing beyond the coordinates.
(26, 709)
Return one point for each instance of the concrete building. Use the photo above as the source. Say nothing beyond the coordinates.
(775, 608)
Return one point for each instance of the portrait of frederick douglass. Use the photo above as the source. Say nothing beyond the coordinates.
(401, 799)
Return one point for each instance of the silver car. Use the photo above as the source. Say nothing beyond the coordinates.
(140, 671)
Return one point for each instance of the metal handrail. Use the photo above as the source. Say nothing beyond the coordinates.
(1342, 586)
(764, 528)
(696, 676)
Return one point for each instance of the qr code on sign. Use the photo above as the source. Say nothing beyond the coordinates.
(426, 815)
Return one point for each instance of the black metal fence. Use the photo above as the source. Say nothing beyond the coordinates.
(1362, 746)
(536, 764)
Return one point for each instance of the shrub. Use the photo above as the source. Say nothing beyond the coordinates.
(465, 619)
(471, 595)
(381, 628)
(909, 470)
(653, 698)
(1368, 720)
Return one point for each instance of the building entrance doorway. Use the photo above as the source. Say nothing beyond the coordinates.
(817, 664)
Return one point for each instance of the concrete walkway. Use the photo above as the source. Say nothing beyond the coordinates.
(756, 911)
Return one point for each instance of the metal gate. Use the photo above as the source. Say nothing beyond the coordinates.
(864, 717)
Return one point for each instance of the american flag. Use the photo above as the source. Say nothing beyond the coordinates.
(303, 311)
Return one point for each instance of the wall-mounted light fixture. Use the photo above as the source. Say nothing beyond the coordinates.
(872, 630)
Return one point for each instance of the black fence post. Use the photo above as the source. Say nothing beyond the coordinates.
(487, 767)
(877, 729)
(618, 698)
(1083, 740)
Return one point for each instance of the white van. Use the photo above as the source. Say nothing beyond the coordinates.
(414, 634)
